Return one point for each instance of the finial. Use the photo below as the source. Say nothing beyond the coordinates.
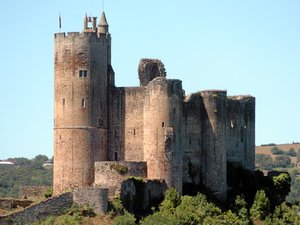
(59, 21)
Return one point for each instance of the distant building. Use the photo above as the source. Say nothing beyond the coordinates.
(6, 163)
(154, 129)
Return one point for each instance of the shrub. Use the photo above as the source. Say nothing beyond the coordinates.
(126, 219)
(121, 169)
(48, 193)
(276, 151)
(261, 206)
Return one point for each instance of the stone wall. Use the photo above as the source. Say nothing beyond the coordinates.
(138, 195)
(109, 174)
(192, 140)
(52, 206)
(241, 131)
(96, 198)
(9, 203)
(33, 192)
(214, 146)
(150, 69)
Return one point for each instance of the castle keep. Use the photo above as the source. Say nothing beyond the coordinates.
(154, 131)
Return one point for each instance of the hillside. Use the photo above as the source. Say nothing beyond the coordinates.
(266, 149)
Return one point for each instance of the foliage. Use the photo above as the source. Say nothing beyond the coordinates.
(261, 206)
(121, 169)
(115, 207)
(48, 193)
(276, 151)
(282, 161)
(264, 161)
(291, 152)
(25, 172)
(284, 214)
(126, 219)
(298, 155)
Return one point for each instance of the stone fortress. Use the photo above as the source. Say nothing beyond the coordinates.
(154, 131)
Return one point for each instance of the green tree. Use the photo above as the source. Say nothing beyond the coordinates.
(261, 206)
(291, 152)
(276, 151)
(264, 161)
(282, 161)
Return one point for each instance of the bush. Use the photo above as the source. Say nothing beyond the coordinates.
(276, 151)
(291, 152)
(126, 219)
(261, 206)
(121, 169)
(282, 161)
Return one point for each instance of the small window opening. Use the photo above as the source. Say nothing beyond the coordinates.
(116, 156)
(83, 73)
(163, 124)
(64, 101)
(190, 141)
(60, 137)
(174, 110)
(82, 103)
(100, 122)
(242, 134)
(133, 131)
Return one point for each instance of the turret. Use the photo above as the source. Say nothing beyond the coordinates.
(103, 25)
(162, 131)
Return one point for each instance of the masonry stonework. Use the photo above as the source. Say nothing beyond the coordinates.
(154, 130)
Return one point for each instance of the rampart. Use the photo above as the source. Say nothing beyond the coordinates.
(52, 206)
(10, 203)
(96, 198)
(33, 192)
(110, 174)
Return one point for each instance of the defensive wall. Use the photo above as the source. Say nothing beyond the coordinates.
(33, 192)
(110, 174)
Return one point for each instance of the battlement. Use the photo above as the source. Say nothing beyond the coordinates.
(69, 35)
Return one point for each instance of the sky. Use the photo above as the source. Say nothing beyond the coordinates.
(244, 47)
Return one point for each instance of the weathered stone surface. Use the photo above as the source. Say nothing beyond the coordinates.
(150, 69)
(52, 206)
(111, 174)
(9, 203)
(139, 195)
(32, 192)
(95, 197)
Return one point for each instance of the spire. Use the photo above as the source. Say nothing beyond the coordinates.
(103, 25)
(103, 21)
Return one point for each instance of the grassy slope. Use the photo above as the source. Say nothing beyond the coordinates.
(284, 147)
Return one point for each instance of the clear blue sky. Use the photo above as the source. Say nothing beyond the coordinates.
(246, 47)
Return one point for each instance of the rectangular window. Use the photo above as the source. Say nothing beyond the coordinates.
(82, 103)
(163, 124)
(83, 73)
(116, 156)
(64, 101)
(133, 131)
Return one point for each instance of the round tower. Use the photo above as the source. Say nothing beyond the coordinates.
(214, 142)
(162, 131)
(80, 105)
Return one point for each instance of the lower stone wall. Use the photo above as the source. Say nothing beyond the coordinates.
(110, 174)
(96, 198)
(52, 206)
(9, 203)
(138, 195)
(33, 192)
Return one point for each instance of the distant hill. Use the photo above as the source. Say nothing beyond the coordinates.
(266, 149)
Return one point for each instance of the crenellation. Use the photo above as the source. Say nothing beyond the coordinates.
(184, 141)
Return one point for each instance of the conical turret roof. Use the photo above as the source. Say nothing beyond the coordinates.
(103, 21)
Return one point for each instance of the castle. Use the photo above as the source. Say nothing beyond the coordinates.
(155, 130)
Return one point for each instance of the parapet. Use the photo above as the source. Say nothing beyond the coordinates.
(150, 69)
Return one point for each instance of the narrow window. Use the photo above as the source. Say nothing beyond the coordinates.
(190, 141)
(64, 101)
(116, 156)
(82, 103)
(163, 124)
(60, 137)
(83, 73)
(133, 131)
(174, 110)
